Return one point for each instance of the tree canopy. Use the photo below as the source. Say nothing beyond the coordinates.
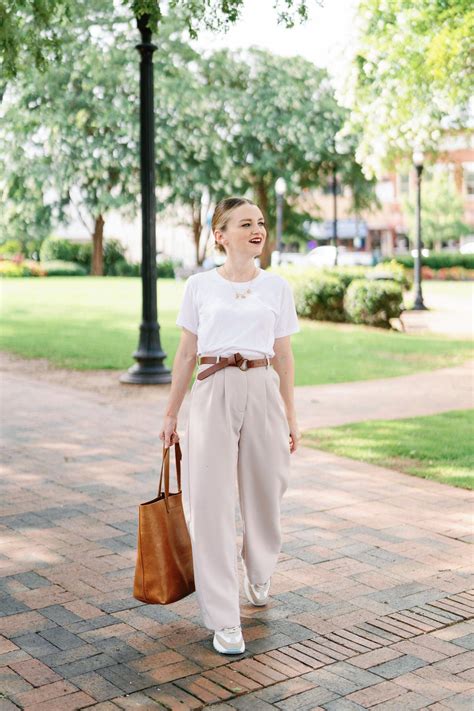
(225, 123)
(31, 30)
(411, 76)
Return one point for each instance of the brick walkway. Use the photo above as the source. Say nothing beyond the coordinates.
(370, 607)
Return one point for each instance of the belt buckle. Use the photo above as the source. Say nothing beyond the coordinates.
(241, 361)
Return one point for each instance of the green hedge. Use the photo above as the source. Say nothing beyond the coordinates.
(29, 267)
(11, 269)
(115, 263)
(321, 298)
(57, 267)
(370, 295)
(373, 302)
(10, 247)
(55, 248)
(437, 260)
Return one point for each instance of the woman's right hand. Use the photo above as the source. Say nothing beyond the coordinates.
(168, 432)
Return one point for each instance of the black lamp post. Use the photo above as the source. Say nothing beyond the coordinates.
(334, 199)
(280, 190)
(418, 158)
(149, 368)
(334, 208)
(334, 202)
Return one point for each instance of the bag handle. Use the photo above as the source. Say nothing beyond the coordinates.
(165, 465)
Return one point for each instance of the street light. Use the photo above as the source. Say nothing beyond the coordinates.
(334, 200)
(418, 159)
(280, 189)
(149, 368)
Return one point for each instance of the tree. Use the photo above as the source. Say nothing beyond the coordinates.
(33, 29)
(26, 214)
(77, 123)
(226, 123)
(411, 76)
(232, 122)
(285, 120)
(40, 30)
(192, 129)
(442, 211)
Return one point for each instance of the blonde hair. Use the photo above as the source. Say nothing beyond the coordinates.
(221, 215)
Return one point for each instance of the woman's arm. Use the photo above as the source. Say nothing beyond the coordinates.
(284, 363)
(183, 368)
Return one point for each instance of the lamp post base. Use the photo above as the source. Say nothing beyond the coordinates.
(418, 304)
(147, 372)
(149, 368)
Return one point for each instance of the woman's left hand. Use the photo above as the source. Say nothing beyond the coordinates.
(295, 435)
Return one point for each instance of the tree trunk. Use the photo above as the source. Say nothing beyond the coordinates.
(97, 267)
(197, 228)
(268, 247)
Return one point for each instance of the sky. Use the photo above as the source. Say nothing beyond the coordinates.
(324, 39)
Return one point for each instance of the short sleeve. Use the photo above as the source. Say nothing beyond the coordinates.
(188, 315)
(287, 321)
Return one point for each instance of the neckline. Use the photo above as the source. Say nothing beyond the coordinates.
(250, 281)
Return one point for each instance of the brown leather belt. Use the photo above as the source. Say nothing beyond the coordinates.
(235, 359)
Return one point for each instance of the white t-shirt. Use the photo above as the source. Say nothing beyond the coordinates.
(225, 324)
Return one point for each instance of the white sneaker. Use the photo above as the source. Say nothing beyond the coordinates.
(257, 593)
(229, 640)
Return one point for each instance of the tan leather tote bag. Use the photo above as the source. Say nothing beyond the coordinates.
(164, 567)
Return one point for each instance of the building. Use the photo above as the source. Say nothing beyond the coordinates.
(385, 229)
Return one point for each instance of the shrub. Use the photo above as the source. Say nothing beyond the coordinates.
(114, 252)
(445, 273)
(34, 268)
(12, 269)
(165, 269)
(437, 260)
(346, 274)
(54, 248)
(393, 270)
(455, 274)
(84, 256)
(373, 302)
(11, 247)
(124, 268)
(427, 272)
(58, 267)
(320, 298)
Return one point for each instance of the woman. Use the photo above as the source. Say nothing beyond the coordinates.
(238, 320)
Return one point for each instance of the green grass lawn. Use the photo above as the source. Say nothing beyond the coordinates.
(93, 323)
(435, 447)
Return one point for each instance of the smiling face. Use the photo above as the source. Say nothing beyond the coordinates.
(244, 232)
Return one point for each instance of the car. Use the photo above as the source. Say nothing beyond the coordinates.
(325, 255)
(467, 248)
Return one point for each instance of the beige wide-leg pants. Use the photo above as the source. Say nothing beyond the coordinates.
(237, 427)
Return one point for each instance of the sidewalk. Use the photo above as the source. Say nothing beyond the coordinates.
(423, 393)
(371, 605)
(449, 314)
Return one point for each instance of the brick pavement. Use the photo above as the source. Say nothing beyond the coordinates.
(371, 605)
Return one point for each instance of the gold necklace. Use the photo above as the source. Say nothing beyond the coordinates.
(242, 294)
